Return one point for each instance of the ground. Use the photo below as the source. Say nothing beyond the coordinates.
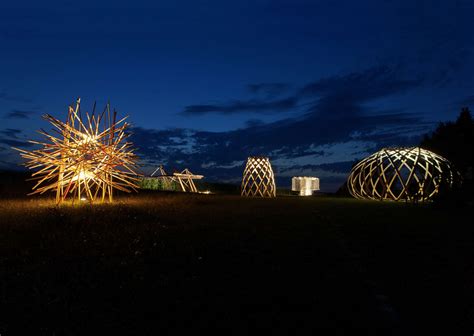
(170, 262)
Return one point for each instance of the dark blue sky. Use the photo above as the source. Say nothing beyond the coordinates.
(313, 84)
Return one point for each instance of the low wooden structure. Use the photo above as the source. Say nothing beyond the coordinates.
(411, 174)
(185, 179)
(258, 179)
(304, 185)
(165, 178)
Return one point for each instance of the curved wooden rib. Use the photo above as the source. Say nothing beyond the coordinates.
(401, 174)
(258, 179)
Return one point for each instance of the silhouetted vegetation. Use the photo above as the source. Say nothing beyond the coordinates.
(154, 183)
(454, 141)
(343, 191)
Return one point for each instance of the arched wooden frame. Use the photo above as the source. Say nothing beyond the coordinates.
(401, 174)
(258, 179)
(185, 179)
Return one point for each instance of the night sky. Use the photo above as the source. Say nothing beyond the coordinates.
(315, 85)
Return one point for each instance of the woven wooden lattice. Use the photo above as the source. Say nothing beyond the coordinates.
(258, 179)
(401, 174)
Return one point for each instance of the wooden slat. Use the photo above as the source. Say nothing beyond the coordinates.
(90, 157)
(402, 173)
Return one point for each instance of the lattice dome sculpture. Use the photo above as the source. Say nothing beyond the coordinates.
(258, 179)
(87, 159)
(304, 185)
(412, 174)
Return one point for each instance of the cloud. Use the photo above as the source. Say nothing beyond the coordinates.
(18, 114)
(371, 83)
(15, 143)
(336, 167)
(9, 158)
(331, 95)
(253, 123)
(11, 132)
(468, 101)
(336, 124)
(13, 98)
(269, 89)
(241, 106)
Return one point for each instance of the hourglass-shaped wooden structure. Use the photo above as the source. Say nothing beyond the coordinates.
(258, 179)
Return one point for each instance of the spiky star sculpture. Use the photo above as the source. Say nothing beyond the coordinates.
(87, 160)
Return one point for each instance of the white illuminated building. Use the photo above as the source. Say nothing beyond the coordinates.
(305, 185)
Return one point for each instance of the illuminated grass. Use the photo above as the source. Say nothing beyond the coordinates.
(178, 253)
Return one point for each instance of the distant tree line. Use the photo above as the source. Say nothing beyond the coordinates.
(454, 141)
(154, 183)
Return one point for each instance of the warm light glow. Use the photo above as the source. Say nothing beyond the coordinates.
(83, 175)
(258, 179)
(401, 174)
(184, 180)
(305, 185)
(88, 159)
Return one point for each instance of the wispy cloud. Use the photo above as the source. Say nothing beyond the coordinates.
(19, 114)
(468, 101)
(14, 98)
(243, 106)
(15, 143)
(11, 132)
(370, 83)
(253, 123)
(334, 126)
(333, 95)
(269, 90)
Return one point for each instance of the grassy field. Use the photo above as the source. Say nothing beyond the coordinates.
(165, 263)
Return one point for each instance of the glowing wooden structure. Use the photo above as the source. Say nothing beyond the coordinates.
(258, 179)
(185, 179)
(87, 159)
(167, 180)
(305, 185)
(412, 174)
